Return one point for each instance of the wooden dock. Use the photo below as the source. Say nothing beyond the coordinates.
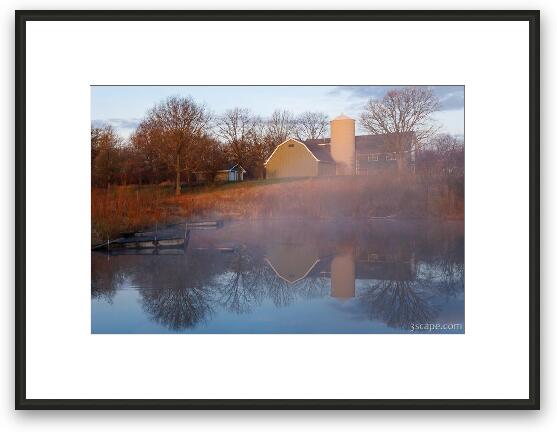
(166, 238)
(147, 242)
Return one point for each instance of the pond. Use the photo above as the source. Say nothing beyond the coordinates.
(288, 276)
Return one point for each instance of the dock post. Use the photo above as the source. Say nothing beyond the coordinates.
(186, 237)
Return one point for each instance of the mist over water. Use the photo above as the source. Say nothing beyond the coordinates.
(289, 276)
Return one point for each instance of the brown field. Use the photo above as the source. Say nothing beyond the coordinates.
(131, 208)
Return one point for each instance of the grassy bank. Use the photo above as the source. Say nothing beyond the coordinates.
(129, 208)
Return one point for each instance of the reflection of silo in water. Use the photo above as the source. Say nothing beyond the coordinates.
(343, 276)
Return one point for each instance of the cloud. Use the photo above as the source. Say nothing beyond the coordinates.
(117, 123)
(451, 97)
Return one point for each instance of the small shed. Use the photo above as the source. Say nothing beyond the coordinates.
(236, 173)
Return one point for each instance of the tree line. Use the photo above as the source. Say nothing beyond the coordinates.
(179, 137)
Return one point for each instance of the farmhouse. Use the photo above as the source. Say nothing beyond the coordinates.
(343, 153)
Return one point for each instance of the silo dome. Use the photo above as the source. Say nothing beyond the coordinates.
(343, 117)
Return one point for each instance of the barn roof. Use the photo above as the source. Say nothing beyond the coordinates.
(321, 151)
(364, 143)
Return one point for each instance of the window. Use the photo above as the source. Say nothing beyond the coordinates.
(390, 156)
(372, 257)
(372, 157)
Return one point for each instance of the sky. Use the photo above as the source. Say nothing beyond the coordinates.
(124, 106)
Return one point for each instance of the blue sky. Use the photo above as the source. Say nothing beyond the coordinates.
(125, 106)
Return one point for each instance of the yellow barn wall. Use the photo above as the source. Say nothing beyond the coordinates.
(294, 161)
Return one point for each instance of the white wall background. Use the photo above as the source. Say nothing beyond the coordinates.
(245, 421)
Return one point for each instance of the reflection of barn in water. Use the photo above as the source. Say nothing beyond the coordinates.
(244, 265)
(341, 253)
(294, 262)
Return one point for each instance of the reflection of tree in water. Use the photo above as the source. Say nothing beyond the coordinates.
(240, 287)
(107, 277)
(278, 290)
(313, 287)
(399, 303)
(249, 280)
(443, 255)
(177, 291)
(283, 294)
(451, 277)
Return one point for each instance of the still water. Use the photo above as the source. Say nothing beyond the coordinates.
(289, 276)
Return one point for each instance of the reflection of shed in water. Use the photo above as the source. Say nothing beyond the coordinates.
(293, 262)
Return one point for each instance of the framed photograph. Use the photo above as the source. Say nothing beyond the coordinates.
(277, 210)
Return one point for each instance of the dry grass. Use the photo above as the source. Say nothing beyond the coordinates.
(129, 208)
(312, 197)
(120, 209)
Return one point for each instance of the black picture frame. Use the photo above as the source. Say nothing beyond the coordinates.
(531, 16)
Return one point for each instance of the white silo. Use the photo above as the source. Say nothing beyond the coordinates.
(343, 144)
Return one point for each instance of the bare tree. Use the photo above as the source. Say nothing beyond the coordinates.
(281, 126)
(260, 148)
(311, 125)
(236, 128)
(148, 162)
(246, 139)
(175, 127)
(400, 112)
(211, 157)
(105, 154)
(96, 136)
(441, 165)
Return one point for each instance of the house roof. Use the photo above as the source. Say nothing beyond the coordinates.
(364, 143)
(370, 143)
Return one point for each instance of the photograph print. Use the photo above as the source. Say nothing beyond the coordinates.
(277, 209)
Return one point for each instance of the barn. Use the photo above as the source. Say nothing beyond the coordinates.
(295, 158)
(343, 153)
